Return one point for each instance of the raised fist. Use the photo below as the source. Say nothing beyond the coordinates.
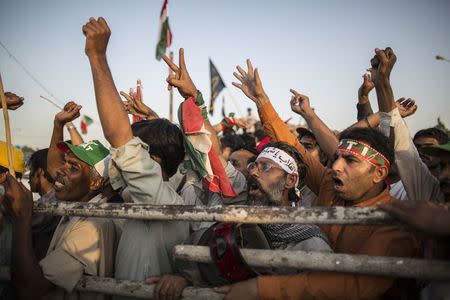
(70, 112)
(97, 35)
(13, 101)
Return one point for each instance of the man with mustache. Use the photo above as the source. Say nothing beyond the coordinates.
(430, 137)
(273, 181)
(357, 178)
(79, 245)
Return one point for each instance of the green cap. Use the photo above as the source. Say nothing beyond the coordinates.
(93, 153)
(437, 150)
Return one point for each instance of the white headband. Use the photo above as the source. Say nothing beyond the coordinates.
(281, 158)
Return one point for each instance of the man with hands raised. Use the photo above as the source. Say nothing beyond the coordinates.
(143, 159)
(79, 245)
(361, 164)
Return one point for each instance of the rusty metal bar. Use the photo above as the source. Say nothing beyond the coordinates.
(233, 214)
(127, 288)
(332, 262)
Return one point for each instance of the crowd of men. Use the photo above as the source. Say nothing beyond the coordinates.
(373, 163)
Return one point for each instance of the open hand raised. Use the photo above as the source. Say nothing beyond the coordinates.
(250, 83)
(406, 107)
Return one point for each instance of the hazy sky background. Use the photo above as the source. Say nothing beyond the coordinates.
(320, 48)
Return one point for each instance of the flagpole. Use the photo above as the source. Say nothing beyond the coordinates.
(9, 149)
(50, 101)
(170, 91)
(234, 102)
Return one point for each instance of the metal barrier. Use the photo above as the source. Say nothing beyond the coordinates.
(360, 264)
(127, 288)
(330, 262)
(232, 214)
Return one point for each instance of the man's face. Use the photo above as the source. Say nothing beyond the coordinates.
(34, 180)
(266, 183)
(420, 142)
(72, 179)
(311, 146)
(444, 177)
(353, 177)
(239, 159)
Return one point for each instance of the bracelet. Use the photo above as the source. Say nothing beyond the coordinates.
(71, 127)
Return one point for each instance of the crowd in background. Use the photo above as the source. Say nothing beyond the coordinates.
(253, 161)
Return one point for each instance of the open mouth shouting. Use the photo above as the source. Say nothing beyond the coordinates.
(59, 183)
(254, 188)
(338, 183)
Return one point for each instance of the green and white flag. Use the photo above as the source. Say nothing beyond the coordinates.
(165, 34)
(85, 122)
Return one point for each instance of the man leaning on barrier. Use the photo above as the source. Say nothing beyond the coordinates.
(79, 245)
(357, 178)
(141, 167)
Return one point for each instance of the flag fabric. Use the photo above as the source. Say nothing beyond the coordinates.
(217, 85)
(203, 159)
(85, 122)
(165, 34)
(138, 97)
(224, 114)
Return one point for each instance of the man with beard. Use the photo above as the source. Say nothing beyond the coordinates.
(273, 181)
(430, 137)
(79, 245)
(357, 178)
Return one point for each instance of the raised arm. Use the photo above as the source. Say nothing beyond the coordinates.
(70, 112)
(382, 65)
(75, 136)
(113, 117)
(181, 80)
(137, 108)
(419, 183)
(250, 84)
(13, 101)
(326, 139)
(364, 108)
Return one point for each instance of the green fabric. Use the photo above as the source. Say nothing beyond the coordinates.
(87, 120)
(196, 157)
(201, 104)
(91, 152)
(437, 150)
(161, 47)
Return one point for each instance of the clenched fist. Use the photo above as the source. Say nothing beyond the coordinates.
(97, 35)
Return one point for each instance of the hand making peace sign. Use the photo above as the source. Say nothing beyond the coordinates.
(180, 78)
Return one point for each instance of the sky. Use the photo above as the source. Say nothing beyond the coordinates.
(320, 48)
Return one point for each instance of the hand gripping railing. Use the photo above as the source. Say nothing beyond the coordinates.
(360, 264)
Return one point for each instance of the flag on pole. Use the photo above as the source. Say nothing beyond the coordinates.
(165, 34)
(203, 159)
(85, 122)
(217, 85)
(224, 114)
(138, 97)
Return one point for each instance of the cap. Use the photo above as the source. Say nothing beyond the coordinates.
(302, 131)
(93, 153)
(437, 150)
(18, 158)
